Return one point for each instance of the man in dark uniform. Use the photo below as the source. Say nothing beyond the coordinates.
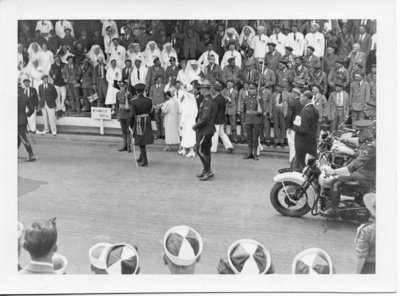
(205, 129)
(361, 170)
(124, 114)
(24, 104)
(305, 127)
(252, 110)
(143, 132)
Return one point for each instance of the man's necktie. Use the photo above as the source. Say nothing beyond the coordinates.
(294, 36)
(280, 98)
(27, 92)
(248, 76)
(138, 74)
(259, 37)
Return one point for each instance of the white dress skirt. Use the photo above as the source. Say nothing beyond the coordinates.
(111, 75)
(189, 113)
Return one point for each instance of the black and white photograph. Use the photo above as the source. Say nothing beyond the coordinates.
(238, 147)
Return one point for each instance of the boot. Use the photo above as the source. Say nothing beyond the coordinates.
(255, 154)
(128, 144)
(250, 155)
(123, 148)
(31, 157)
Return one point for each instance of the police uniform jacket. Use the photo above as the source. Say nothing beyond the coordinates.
(124, 101)
(365, 162)
(205, 124)
(305, 139)
(24, 103)
(250, 109)
(141, 108)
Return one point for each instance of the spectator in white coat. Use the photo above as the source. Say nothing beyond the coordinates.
(316, 40)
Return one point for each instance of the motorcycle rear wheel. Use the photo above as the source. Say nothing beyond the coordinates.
(283, 207)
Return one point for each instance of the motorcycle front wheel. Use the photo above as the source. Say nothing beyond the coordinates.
(283, 199)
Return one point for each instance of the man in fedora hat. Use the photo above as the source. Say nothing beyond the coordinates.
(366, 239)
(284, 76)
(71, 74)
(205, 129)
(143, 132)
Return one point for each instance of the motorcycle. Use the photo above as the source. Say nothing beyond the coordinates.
(295, 194)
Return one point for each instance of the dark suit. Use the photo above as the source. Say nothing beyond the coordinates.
(213, 73)
(143, 132)
(172, 72)
(205, 129)
(126, 76)
(24, 103)
(305, 139)
(71, 75)
(220, 104)
(47, 103)
(99, 79)
(365, 43)
(272, 60)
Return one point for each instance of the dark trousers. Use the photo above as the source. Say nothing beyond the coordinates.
(86, 93)
(356, 115)
(266, 130)
(338, 184)
(279, 125)
(125, 124)
(253, 131)
(73, 96)
(232, 123)
(143, 154)
(158, 117)
(203, 150)
(101, 89)
(337, 119)
(22, 138)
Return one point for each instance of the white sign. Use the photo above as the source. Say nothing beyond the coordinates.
(101, 113)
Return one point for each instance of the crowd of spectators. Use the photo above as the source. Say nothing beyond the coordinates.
(182, 249)
(83, 59)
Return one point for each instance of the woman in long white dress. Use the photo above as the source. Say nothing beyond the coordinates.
(167, 52)
(113, 73)
(171, 119)
(34, 50)
(94, 53)
(185, 76)
(196, 70)
(150, 53)
(189, 113)
(35, 72)
(246, 37)
(46, 59)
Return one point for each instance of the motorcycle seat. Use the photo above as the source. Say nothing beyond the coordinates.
(352, 183)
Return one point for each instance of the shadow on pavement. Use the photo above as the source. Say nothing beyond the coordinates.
(28, 185)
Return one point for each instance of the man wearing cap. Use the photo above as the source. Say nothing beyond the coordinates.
(266, 95)
(231, 95)
(117, 52)
(143, 132)
(370, 105)
(300, 73)
(359, 94)
(316, 40)
(47, 103)
(157, 95)
(229, 54)
(172, 71)
(338, 74)
(252, 109)
(232, 72)
(284, 76)
(154, 72)
(40, 240)
(294, 108)
(68, 39)
(272, 57)
(182, 249)
(364, 39)
(212, 71)
(100, 81)
(205, 129)
(361, 170)
(44, 27)
(356, 57)
(124, 114)
(221, 102)
(365, 242)
(204, 58)
(296, 41)
(338, 107)
(246, 257)
(310, 59)
(25, 109)
(289, 57)
(31, 96)
(268, 77)
(317, 76)
(126, 75)
(72, 75)
(305, 127)
(56, 75)
(250, 72)
(260, 42)
(279, 39)
(328, 61)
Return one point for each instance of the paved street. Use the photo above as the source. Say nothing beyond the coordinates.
(97, 194)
